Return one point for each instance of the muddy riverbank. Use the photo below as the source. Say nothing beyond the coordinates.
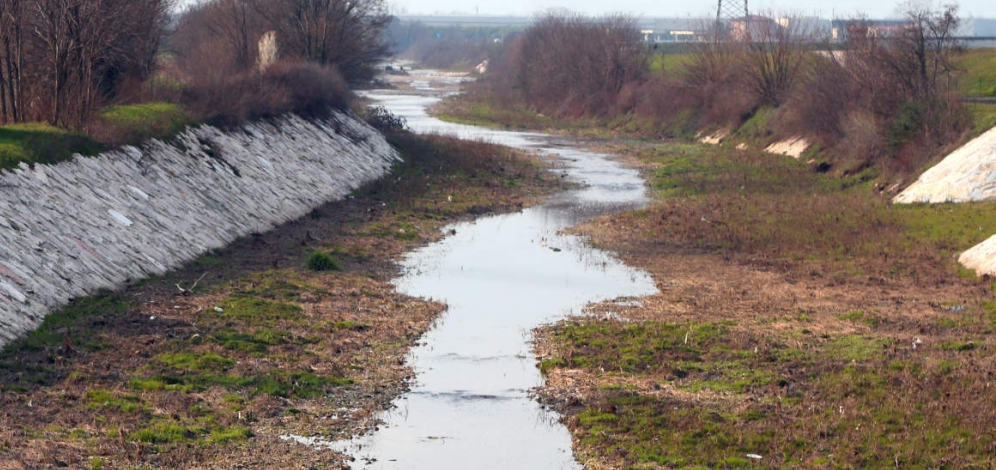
(206, 366)
(802, 322)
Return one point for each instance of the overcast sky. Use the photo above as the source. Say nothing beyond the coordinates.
(670, 8)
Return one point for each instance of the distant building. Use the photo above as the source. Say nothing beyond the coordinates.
(672, 30)
(842, 30)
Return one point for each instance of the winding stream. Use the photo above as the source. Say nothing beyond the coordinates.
(501, 276)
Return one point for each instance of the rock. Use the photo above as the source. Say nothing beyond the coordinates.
(70, 229)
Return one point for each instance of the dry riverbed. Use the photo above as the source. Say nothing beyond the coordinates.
(208, 366)
(802, 322)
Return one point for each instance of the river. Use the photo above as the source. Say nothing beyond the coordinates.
(501, 277)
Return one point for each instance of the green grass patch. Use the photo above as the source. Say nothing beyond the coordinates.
(983, 116)
(651, 433)
(71, 325)
(978, 73)
(163, 432)
(859, 317)
(857, 348)
(261, 312)
(229, 434)
(669, 64)
(322, 261)
(274, 285)
(644, 347)
(351, 325)
(480, 113)
(132, 124)
(159, 382)
(195, 361)
(735, 202)
(256, 342)
(279, 383)
(42, 143)
(102, 398)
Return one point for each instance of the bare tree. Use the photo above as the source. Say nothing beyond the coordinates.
(240, 24)
(11, 59)
(347, 34)
(59, 59)
(773, 57)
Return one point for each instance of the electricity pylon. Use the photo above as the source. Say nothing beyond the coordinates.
(729, 11)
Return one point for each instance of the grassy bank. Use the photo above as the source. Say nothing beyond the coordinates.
(296, 331)
(803, 322)
(118, 125)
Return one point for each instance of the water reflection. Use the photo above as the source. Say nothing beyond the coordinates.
(501, 276)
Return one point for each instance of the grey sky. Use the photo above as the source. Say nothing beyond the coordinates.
(670, 8)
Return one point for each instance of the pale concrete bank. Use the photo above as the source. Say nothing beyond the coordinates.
(968, 174)
(69, 229)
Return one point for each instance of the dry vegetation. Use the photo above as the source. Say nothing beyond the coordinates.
(883, 100)
(320, 47)
(113, 72)
(800, 318)
(294, 331)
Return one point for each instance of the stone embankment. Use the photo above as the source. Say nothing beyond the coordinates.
(70, 229)
(968, 174)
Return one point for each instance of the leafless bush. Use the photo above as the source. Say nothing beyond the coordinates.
(572, 65)
(286, 86)
(888, 93)
(385, 121)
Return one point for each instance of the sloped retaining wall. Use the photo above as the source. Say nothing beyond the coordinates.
(967, 174)
(69, 229)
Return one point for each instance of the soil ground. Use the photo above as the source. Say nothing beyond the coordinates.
(802, 322)
(294, 331)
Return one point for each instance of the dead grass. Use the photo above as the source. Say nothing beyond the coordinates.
(785, 326)
(263, 346)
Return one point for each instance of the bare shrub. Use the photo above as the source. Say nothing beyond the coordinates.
(887, 98)
(571, 65)
(865, 144)
(385, 121)
(286, 86)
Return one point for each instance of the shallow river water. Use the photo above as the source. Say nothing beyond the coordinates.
(501, 276)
